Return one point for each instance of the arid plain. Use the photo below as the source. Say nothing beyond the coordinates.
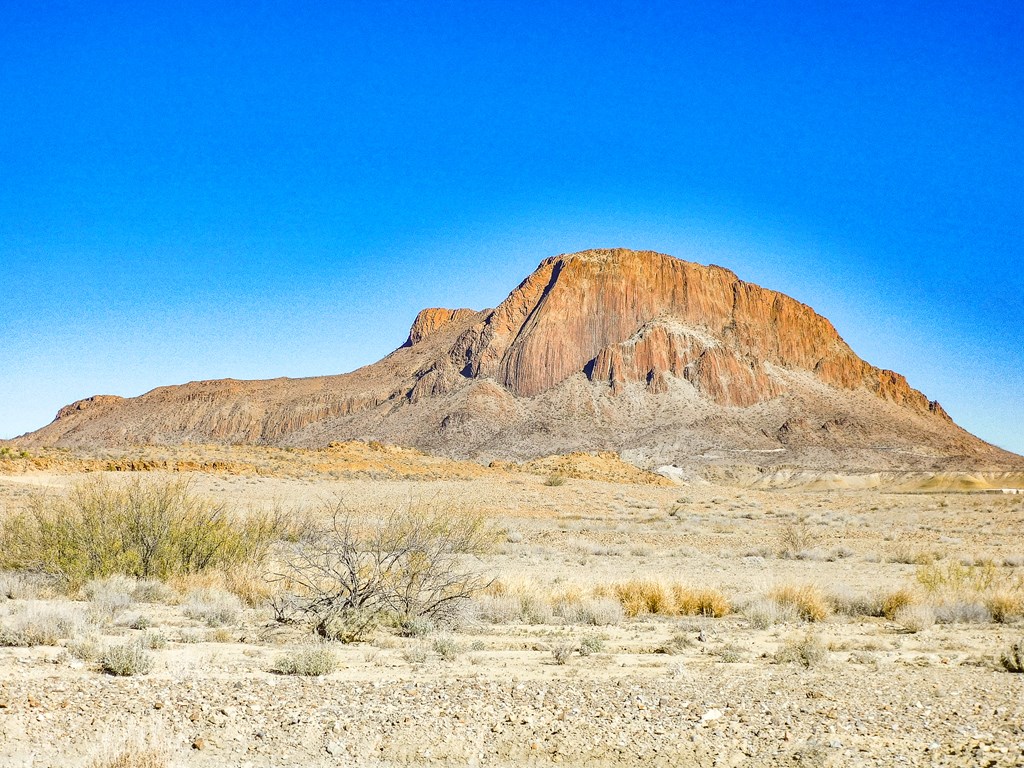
(624, 618)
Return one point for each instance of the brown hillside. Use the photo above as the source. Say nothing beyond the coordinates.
(662, 360)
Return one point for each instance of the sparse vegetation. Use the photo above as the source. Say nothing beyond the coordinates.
(807, 650)
(214, 607)
(126, 660)
(141, 528)
(39, 623)
(314, 661)
(807, 600)
(350, 574)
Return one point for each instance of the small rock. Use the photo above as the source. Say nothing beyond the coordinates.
(334, 748)
(711, 714)
(198, 743)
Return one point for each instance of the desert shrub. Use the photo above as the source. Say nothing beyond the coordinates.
(599, 612)
(561, 652)
(807, 650)
(42, 624)
(965, 611)
(1013, 659)
(1004, 605)
(640, 597)
(849, 603)
(765, 613)
(893, 602)
(415, 653)
(591, 644)
(699, 602)
(808, 600)
(448, 648)
(138, 755)
(109, 596)
(143, 528)
(314, 661)
(414, 562)
(126, 660)
(84, 648)
(795, 537)
(152, 591)
(555, 480)
(915, 617)
(214, 607)
(154, 640)
(23, 585)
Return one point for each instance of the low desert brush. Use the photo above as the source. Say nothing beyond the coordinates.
(126, 660)
(808, 600)
(149, 529)
(807, 650)
(40, 623)
(313, 661)
(640, 597)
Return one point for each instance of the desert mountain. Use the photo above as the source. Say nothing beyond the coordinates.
(663, 360)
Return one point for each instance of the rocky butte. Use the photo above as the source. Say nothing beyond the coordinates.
(662, 360)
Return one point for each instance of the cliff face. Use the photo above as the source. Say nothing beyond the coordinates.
(606, 349)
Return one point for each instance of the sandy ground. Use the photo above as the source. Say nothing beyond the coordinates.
(655, 690)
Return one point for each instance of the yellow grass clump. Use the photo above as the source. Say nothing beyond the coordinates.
(640, 597)
(808, 600)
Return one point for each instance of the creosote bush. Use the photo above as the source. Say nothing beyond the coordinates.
(145, 528)
(350, 574)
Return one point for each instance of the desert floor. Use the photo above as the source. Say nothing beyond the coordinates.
(519, 679)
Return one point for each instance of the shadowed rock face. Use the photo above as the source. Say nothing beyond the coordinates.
(633, 351)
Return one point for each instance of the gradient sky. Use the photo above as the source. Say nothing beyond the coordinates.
(255, 190)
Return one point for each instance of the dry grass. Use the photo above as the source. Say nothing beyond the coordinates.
(807, 600)
(892, 603)
(642, 597)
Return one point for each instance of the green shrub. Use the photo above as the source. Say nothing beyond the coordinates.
(144, 528)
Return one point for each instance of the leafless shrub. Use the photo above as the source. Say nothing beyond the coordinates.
(765, 613)
(413, 562)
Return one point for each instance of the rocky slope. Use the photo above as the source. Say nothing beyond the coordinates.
(664, 360)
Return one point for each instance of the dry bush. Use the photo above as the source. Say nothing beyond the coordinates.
(1005, 605)
(893, 602)
(41, 623)
(24, 585)
(915, 618)
(808, 600)
(126, 660)
(314, 661)
(765, 613)
(420, 561)
(795, 537)
(962, 612)
(214, 607)
(143, 528)
(640, 597)
(807, 650)
(137, 753)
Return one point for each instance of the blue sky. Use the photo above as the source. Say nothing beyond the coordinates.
(274, 189)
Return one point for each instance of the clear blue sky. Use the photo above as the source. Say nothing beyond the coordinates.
(264, 189)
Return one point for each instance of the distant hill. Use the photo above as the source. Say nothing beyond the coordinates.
(662, 360)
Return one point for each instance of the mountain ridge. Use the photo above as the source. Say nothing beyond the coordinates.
(663, 360)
